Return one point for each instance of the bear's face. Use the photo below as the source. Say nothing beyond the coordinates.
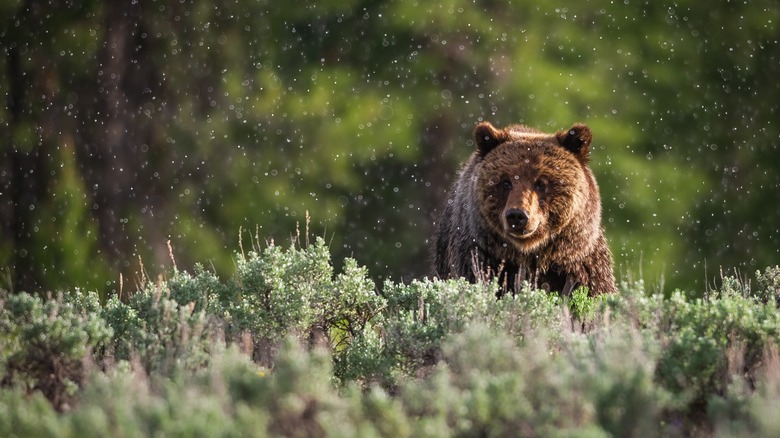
(530, 185)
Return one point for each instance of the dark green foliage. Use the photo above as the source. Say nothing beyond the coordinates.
(290, 347)
(204, 115)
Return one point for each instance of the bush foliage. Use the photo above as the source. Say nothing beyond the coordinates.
(289, 347)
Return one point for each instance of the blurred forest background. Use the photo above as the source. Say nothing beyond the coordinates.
(126, 124)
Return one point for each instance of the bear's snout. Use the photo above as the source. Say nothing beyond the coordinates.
(516, 220)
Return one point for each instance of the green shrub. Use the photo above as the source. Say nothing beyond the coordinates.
(595, 385)
(27, 415)
(276, 289)
(186, 402)
(698, 337)
(290, 347)
(47, 343)
(158, 330)
(768, 283)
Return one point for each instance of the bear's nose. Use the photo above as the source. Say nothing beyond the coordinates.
(516, 219)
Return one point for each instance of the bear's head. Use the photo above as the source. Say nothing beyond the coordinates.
(532, 186)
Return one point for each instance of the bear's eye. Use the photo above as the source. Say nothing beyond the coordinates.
(540, 185)
(506, 184)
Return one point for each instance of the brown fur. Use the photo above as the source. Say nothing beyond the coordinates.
(526, 206)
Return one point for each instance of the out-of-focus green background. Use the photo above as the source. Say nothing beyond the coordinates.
(125, 124)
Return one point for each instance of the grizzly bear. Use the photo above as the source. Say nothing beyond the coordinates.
(526, 207)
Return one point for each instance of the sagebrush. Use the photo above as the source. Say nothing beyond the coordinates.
(290, 347)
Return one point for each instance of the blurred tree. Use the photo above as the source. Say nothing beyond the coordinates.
(46, 227)
(128, 124)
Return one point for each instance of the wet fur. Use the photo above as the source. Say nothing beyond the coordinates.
(567, 247)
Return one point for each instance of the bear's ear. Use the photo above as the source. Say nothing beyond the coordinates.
(577, 140)
(487, 137)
